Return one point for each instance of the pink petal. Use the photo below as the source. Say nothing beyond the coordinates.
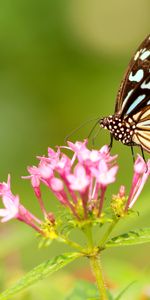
(103, 166)
(139, 165)
(122, 191)
(8, 181)
(71, 178)
(3, 212)
(35, 181)
(7, 218)
(63, 165)
(113, 171)
(79, 171)
(77, 146)
(104, 150)
(33, 170)
(139, 189)
(45, 171)
(94, 155)
(8, 203)
(57, 184)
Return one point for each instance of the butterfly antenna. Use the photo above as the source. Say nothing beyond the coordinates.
(95, 136)
(93, 128)
(78, 128)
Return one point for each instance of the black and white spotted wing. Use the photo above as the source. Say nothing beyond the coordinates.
(134, 92)
(130, 123)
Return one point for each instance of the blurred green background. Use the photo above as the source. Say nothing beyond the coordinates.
(61, 63)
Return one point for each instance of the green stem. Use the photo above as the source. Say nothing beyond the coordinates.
(88, 232)
(72, 244)
(107, 233)
(95, 263)
(97, 270)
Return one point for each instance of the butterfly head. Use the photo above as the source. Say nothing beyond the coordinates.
(106, 122)
(120, 129)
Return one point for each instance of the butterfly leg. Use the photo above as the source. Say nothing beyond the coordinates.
(132, 151)
(111, 141)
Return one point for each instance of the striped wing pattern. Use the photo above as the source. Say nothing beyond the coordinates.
(142, 132)
(134, 91)
(133, 99)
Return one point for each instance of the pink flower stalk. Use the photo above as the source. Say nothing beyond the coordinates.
(83, 177)
(13, 209)
(141, 174)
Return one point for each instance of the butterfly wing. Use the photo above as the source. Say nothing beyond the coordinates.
(142, 132)
(134, 91)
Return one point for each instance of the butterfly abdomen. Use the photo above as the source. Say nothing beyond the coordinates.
(121, 130)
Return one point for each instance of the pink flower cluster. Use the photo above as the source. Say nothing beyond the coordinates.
(79, 182)
(85, 176)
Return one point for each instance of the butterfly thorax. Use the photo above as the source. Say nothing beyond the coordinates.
(122, 130)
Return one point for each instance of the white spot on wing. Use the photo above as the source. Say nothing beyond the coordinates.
(136, 55)
(126, 98)
(135, 103)
(137, 77)
(145, 55)
(145, 85)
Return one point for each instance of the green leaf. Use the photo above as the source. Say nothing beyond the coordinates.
(39, 273)
(133, 237)
(124, 290)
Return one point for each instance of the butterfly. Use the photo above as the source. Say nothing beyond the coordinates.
(130, 123)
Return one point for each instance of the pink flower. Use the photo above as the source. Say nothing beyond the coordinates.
(105, 154)
(79, 181)
(5, 187)
(11, 202)
(80, 150)
(83, 154)
(141, 174)
(83, 177)
(53, 156)
(63, 166)
(57, 185)
(78, 147)
(42, 173)
(105, 175)
(13, 209)
(139, 165)
(45, 171)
